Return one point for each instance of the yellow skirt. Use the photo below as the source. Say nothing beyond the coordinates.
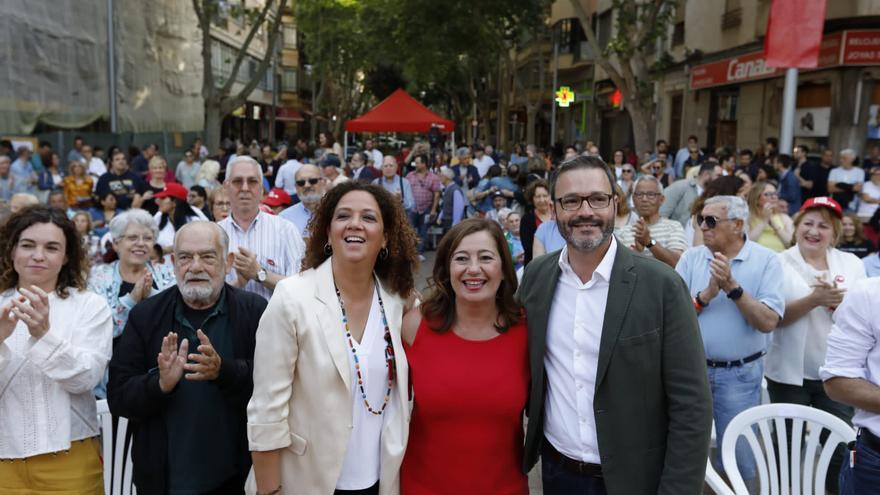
(77, 471)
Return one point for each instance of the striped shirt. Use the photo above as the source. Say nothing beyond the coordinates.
(276, 242)
(668, 234)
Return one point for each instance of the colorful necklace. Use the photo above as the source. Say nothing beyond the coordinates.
(389, 355)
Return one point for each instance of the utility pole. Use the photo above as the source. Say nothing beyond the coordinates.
(111, 67)
(789, 99)
(555, 82)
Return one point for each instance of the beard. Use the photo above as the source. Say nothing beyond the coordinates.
(198, 294)
(588, 244)
(311, 198)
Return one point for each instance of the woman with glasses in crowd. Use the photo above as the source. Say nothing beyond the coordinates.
(132, 277)
(468, 354)
(219, 204)
(768, 226)
(539, 210)
(627, 181)
(329, 412)
(54, 347)
(816, 278)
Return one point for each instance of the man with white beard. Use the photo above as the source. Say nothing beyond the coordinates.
(182, 372)
(310, 189)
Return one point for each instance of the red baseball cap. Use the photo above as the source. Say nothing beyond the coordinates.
(823, 202)
(277, 197)
(173, 190)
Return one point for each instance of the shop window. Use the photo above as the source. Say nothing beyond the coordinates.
(289, 36)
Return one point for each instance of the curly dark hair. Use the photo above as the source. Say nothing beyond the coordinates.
(530, 190)
(397, 269)
(438, 308)
(74, 272)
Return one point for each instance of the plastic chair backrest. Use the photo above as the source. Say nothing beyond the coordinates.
(713, 479)
(805, 422)
(117, 458)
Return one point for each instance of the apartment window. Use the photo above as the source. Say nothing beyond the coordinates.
(288, 80)
(563, 35)
(603, 28)
(289, 36)
(732, 16)
(678, 34)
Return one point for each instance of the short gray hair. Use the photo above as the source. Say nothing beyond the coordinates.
(447, 172)
(648, 178)
(736, 207)
(121, 222)
(221, 234)
(463, 151)
(849, 152)
(242, 158)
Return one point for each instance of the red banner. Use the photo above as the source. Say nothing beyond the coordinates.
(861, 48)
(794, 33)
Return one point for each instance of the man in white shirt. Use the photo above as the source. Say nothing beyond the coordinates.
(845, 181)
(653, 235)
(852, 376)
(267, 248)
(286, 178)
(374, 154)
(95, 167)
(481, 160)
(620, 399)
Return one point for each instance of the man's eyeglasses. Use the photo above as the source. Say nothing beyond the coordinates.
(649, 195)
(573, 202)
(710, 221)
(627, 171)
(312, 181)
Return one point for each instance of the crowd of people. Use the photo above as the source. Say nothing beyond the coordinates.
(254, 314)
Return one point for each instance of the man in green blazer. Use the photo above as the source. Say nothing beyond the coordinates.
(619, 395)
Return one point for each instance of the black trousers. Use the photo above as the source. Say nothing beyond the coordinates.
(373, 490)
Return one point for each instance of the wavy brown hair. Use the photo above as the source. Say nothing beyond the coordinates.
(397, 268)
(72, 274)
(439, 306)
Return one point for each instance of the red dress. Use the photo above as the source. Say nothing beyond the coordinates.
(466, 432)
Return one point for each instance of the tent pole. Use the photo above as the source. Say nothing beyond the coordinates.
(453, 144)
(344, 150)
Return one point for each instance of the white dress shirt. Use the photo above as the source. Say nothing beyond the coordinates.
(854, 344)
(46, 398)
(277, 243)
(377, 158)
(574, 330)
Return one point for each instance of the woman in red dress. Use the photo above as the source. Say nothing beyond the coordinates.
(468, 356)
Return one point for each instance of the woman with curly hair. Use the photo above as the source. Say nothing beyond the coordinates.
(468, 353)
(329, 411)
(55, 339)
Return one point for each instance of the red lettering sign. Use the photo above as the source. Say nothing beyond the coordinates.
(748, 67)
(861, 48)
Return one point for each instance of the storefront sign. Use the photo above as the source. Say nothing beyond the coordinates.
(846, 48)
(861, 48)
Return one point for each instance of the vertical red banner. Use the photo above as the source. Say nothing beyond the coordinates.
(794, 33)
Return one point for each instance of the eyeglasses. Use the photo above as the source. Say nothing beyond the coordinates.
(573, 202)
(146, 239)
(627, 171)
(710, 221)
(770, 195)
(312, 181)
(222, 204)
(650, 195)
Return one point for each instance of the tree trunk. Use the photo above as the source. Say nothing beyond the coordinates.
(213, 122)
(643, 128)
(531, 123)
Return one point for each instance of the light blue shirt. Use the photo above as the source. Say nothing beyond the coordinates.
(549, 235)
(299, 216)
(727, 336)
(394, 185)
(872, 265)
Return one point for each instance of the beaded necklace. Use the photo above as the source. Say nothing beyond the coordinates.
(389, 355)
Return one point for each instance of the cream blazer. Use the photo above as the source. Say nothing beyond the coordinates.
(302, 400)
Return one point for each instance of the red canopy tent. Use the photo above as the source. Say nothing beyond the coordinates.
(400, 112)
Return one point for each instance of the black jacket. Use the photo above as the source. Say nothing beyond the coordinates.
(133, 391)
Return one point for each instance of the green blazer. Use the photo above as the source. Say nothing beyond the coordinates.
(652, 404)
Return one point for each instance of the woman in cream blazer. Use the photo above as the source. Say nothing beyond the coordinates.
(312, 382)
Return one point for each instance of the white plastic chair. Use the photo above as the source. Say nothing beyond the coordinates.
(117, 461)
(713, 479)
(790, 479)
